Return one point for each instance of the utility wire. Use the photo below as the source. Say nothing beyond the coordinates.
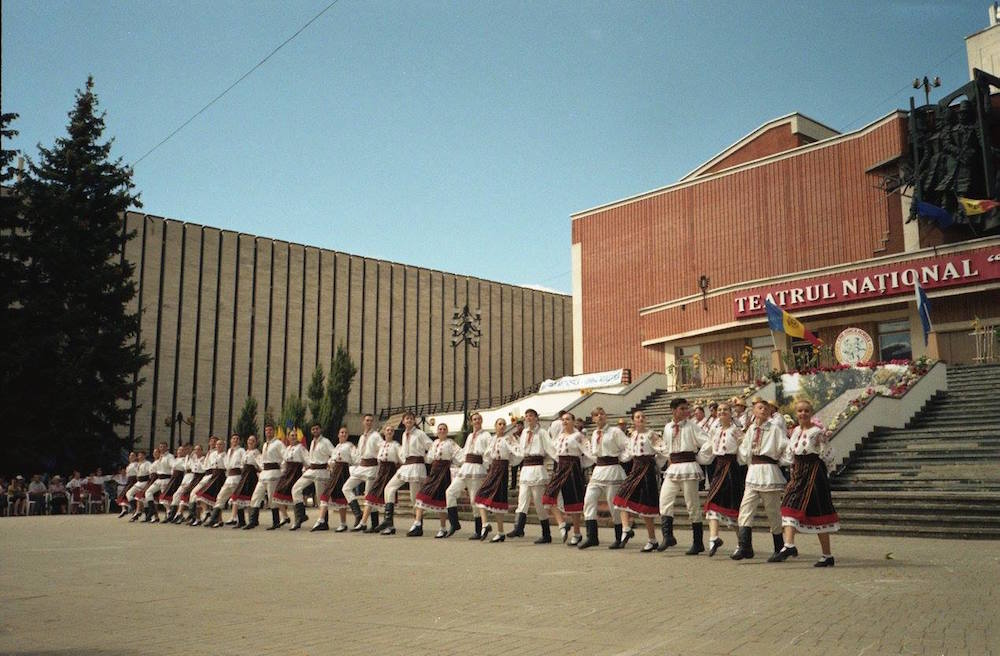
(233, 85)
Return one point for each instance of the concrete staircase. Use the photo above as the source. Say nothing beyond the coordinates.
(656, 406)
(940, 475)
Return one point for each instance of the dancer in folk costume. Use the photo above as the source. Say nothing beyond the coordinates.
(294, 459)
(208, 462)
(270, 460)
(214, 479)
(761, 449)
(144, 473)
(389, 460)
(808, 506)
(536, 448)
(364, 469)
(194, 470)
(243, 494)
(130, 478)
(726, 490)
(608, 444)
(685, 439)
(177, 474)
(315, 474)
(565, 491)
(159, 475)
(332, 495)
(412, 472)
(639, 494)
(442, 455)
(502, 453)
(471, 474)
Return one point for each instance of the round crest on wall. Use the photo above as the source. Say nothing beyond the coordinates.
(854, 345)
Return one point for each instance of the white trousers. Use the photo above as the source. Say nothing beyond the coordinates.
(298, 490)
(263, 492)
(227, 491)
(176, 499)
(528, 493)
(454, 490)
(668, 495)
(136, 491)
(154, 489)
(352, 483)
(393, 486)
(772, 506)
(597, 490)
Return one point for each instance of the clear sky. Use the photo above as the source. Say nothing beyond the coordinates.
(455, 135)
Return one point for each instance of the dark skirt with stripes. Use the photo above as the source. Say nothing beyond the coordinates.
(211, 491)
(493, 494)
(186, 495)
(567, 480)
(244, 489)
(726, 491)
(174, 484)
(129, 482)
(431, 494)
(283, 491)
(808, 505)
(375, 497)
(333, 494)
(640, 493)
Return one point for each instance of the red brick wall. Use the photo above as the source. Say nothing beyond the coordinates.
(776, 140)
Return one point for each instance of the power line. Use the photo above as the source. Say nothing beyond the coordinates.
(233, 85)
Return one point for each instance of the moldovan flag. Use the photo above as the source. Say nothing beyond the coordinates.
(299, 435)
(780, 321)
(923, 309)
(972, 206)
(281, 432)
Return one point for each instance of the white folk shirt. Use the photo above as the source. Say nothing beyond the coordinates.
(414, 445)
(684, 436)
(574, 444)
(476, 444)
(389, 452)
(180, 464)
(319, 454)
(234, 460)
(273, 453)
(809, 441)
(535, 442)
(343, 452)
(608, 442)
(131, 469)
(166, 464)
(197, 464)
(213, 460)
(369, 445)
(251, 458)
(767, 440)
(648, 443)
(295, 453)
(142, 469)
(446, 449)
(504, 447)
(187, 464)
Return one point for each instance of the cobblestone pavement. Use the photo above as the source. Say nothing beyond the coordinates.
(98, 585)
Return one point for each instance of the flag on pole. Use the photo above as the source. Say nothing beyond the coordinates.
(923, 309)
(281, 432)
(973, 206)
(782, 322)
(299, 435)
(940, 215)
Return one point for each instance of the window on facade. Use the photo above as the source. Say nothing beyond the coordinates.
(687, 373)
(894, 340)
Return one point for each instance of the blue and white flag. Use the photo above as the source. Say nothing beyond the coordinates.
(923, 309)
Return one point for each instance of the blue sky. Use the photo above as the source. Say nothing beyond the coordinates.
(455, 135)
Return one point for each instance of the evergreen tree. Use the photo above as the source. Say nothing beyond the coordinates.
(269, 419)
(293, 413)
(73, 343)
(338, 385)
(315, 394)
(247, 423)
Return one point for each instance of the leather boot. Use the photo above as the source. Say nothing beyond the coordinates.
(591, 540)
(356, 509)
(215, 521)
(745, 548)
(546, 533)
(453, 525)
(697, 539)
(387, 522)
(779, 541)
(373, 518)
(519, 522)
(617, 544)
(667, 525)
(148, 513)
(254, 520)
(241, 518)
(478, 535)
(275, 520)
(172, 514)
(300, 517)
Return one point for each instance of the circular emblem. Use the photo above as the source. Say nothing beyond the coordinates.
(854, 345)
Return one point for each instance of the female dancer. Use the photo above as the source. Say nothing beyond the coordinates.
(332, 494)
(208, 464)
(726, 491)
(178, 471)
(565, 491)
(502, 453)
(195, 472)
(639, 495)
(807, 506)
(388, 459)
(413, 451)
(294, 460)
(215, 472)
(129, 482)
(248, 481)
(444, 453)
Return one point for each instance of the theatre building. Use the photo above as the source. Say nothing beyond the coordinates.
(796, 212)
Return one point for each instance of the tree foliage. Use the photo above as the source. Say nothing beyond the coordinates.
(247, 423)
(315, 394)
(293, 413)
(338, 385)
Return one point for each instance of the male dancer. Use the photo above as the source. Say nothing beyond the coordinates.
(271, 457)
(470, 475)
(607, 443)
(413, 452)
(315, 474)
(536, 447)
(685, 439)
(364, 469)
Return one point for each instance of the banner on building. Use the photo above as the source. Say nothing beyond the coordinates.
(583, 381)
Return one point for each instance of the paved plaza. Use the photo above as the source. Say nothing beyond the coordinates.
(98, 585)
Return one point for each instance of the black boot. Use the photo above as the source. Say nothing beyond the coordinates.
(387, 522)
(241, 518)
(783, 553)
(697, 539)
(171, 514)
(591, 540)
(617, 544)
(254, 520)
(215, 521)
(356, 509)
(779, 541)
(275, 520)
(373, 518)
(478, 535)
(148, 513)
(667, 524)
(519, 523)
(546, 533)
(453, 525)
(745, 548)
(714, 545)
(300, 517)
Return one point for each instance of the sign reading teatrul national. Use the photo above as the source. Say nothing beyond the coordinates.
(867, 283)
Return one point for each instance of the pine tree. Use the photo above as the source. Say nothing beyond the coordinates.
(247, 423)
(73, 340)
(293, 413)
(338, 385)
(315, 394)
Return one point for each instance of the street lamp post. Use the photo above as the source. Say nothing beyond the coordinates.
(170, 422)
(465, 329)
(927, 85)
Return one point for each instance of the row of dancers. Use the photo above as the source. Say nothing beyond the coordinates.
(194, 487)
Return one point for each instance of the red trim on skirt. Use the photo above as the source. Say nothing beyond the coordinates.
(725, 512)
(620, 502)
(431, 501)
(567, 507)
(801, 517)
(491, 504)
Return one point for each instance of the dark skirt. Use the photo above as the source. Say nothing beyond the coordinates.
(186, 496)
(493, 494)
(174, 484)
(376, 494)
(431, 494)
(211, 491)
(332, 493)
(726, 491)
(283, 491)
(129, 482)
(244, 489)
(808, 505)
(640, 493)
(567, 480)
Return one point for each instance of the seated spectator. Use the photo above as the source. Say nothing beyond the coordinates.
(59, 501)
(36, 494)
(18, 496)
(74, 489)
(116, 483)
(3, 490)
